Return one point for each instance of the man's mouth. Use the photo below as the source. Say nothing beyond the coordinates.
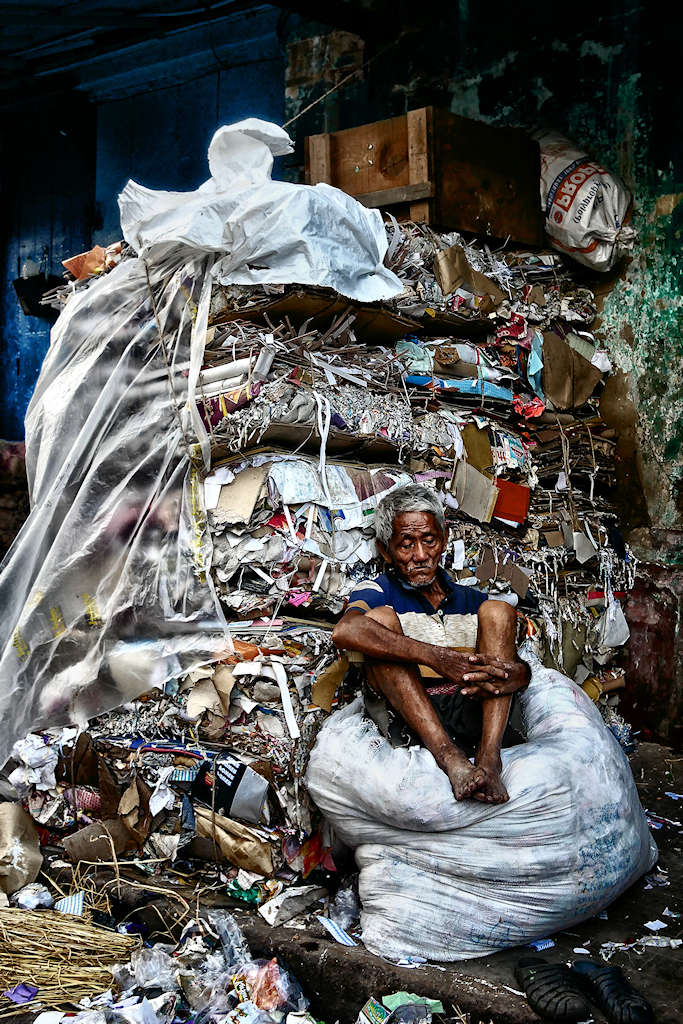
(421, 571)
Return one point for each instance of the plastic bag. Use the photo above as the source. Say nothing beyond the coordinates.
(209, 953)
(105, 592)
(154, 968)
(345, 909)
(453, 880)
(33, 896)
(206, 984)
(587, 208)
(410, 1013)
(270, 986)
(248, 1013)
(233, 943)
(160, 1010)
(265, 231)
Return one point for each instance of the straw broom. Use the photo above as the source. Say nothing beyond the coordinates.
(64, 956)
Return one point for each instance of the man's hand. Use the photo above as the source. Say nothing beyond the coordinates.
(490, 677)
(452, 665)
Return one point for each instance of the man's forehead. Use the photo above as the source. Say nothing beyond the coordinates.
(415, 522)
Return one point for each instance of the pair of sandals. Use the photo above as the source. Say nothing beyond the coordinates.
(558, 992)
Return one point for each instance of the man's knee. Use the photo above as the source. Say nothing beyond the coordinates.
(498, 616)
(387, 617)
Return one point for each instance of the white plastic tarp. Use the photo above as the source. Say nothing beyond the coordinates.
(266, 232)
(105, 592)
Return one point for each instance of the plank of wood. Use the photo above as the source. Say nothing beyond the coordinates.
(487, 179)
(318, 159)
(402, 194)
(419, 124)
(370, 157)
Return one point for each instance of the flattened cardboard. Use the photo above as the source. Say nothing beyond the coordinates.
(478, 448)
(305, 436)
(95, 842)
(374, 324)
(452, 271)
(474, 492)
(240, 845)
(488, 570)
(224, 681)
(568, 379)
(325, 685)
(20, 856)
(134, 811)
(237, 500)
(204, 697)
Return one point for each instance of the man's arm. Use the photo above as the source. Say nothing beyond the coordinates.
(358, 632)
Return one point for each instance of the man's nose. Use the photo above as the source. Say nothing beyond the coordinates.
(421, 554)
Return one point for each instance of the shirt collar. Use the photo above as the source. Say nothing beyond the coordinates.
(443, 577)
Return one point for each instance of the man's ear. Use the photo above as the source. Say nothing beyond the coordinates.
(384, 551)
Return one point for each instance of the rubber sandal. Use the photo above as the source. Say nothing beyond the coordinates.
(551, 990)
(611, 992)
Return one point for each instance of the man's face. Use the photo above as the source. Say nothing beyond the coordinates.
(415, 547)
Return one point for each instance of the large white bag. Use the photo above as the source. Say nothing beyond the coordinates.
(453, 880)
(263, 231)
(586, 207)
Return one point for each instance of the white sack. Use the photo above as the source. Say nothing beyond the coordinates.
(453, 880)
(264, 231)
(586, 207)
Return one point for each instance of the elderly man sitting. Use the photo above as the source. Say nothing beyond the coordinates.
(440, 659)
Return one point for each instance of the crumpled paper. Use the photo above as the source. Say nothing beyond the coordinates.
(20, 856)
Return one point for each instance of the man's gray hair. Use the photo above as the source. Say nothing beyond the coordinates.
(409, 498)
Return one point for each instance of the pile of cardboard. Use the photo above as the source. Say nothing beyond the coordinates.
(482, 380)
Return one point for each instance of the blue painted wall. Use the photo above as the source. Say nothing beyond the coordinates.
(48, 188)
(147, 113)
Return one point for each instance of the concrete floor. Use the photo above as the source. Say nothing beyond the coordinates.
(338, 980)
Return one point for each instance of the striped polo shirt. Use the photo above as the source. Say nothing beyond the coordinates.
(452, 624)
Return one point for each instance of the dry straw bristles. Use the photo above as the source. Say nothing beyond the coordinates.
(64, 956)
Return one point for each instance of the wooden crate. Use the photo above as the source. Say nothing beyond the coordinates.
(432, 166)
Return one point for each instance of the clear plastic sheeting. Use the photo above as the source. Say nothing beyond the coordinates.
(106, 592)
(266, 232)
(453, 881)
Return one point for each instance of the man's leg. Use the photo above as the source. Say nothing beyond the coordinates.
(402, 687)
(496, 636)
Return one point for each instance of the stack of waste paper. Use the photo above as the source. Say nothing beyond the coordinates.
(492, 399)
(206, 450)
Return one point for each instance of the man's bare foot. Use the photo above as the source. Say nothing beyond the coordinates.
(463, 776)
(492, 790)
